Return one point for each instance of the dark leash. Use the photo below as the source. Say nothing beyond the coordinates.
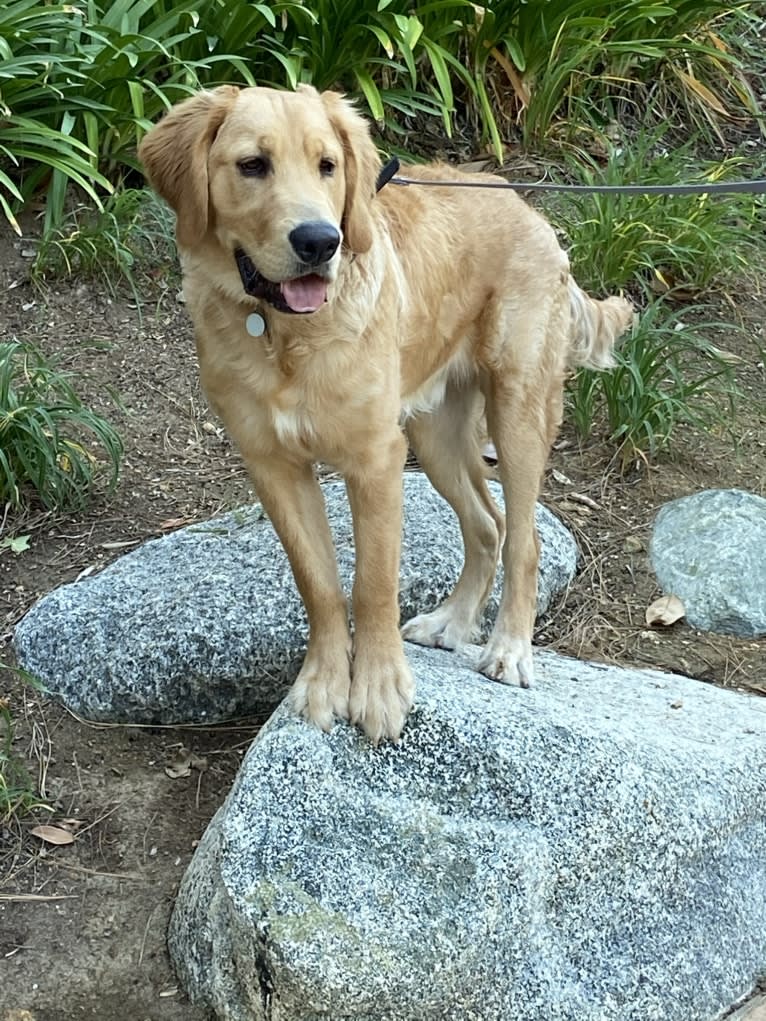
(389, 173)
(256, 285)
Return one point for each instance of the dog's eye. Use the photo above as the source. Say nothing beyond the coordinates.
(326, 168)
(255, 166)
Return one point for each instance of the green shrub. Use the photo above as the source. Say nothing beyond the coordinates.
(133, 227)
(572, 58)
(17, 791)
(15, 783)
(677, 241)
(40, 100)
(667, 374)
(43, 425)
(80, 82)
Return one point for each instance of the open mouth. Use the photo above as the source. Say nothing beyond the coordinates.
(300, 295)
(305, 294)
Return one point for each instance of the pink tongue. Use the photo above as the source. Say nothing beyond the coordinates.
(305, 294)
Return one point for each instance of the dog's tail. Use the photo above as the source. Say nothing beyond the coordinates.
(596, 327)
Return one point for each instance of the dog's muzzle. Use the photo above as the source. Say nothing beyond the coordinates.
(314, 243)
(256, 284)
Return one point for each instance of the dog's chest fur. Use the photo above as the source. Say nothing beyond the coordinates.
(296, 399)
(318, 387)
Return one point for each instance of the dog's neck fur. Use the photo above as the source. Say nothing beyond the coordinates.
(291, 339)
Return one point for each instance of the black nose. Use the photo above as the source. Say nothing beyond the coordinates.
(314, 242)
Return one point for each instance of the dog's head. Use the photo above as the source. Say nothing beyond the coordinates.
(285, 177)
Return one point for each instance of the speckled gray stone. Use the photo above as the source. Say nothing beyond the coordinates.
(206, 623)
(709, 549)
(590, 849)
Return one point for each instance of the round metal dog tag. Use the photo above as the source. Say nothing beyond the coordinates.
(255, 325)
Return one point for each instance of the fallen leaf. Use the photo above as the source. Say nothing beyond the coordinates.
(664, 280)
(633, 544)
(585, 500)
(719, 44)
(665, 611)
(658, 283)
(560, 477)
(178, 769)
(170, 524)
(519, 86)
(20, 544)
(73, 825)
(53, 834)
(705, 94)
(726, 356)
(182, 764)
(574, 507)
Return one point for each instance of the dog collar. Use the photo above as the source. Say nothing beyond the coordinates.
(388, 171)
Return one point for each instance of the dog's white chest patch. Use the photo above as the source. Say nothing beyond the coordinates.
(291, 425)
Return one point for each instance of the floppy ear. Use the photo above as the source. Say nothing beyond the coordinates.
(174, 154)
(362, 166)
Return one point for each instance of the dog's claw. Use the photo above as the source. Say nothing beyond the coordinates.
(320, 693)
(509, 661)
(381, 697)
(443, 628)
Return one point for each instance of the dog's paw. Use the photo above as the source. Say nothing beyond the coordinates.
(382, 691)
(443, 628)
(508, 660)
(322, 688)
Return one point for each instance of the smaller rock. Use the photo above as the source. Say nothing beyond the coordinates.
(709, 549)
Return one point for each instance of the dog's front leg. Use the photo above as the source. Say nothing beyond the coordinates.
(293, 500)
(381, 688)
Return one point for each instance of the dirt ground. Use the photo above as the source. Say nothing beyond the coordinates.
(82, 926)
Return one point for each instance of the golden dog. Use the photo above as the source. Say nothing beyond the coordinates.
(329, 318)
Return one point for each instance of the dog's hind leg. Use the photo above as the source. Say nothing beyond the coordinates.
(446, 442)
(524, 406)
